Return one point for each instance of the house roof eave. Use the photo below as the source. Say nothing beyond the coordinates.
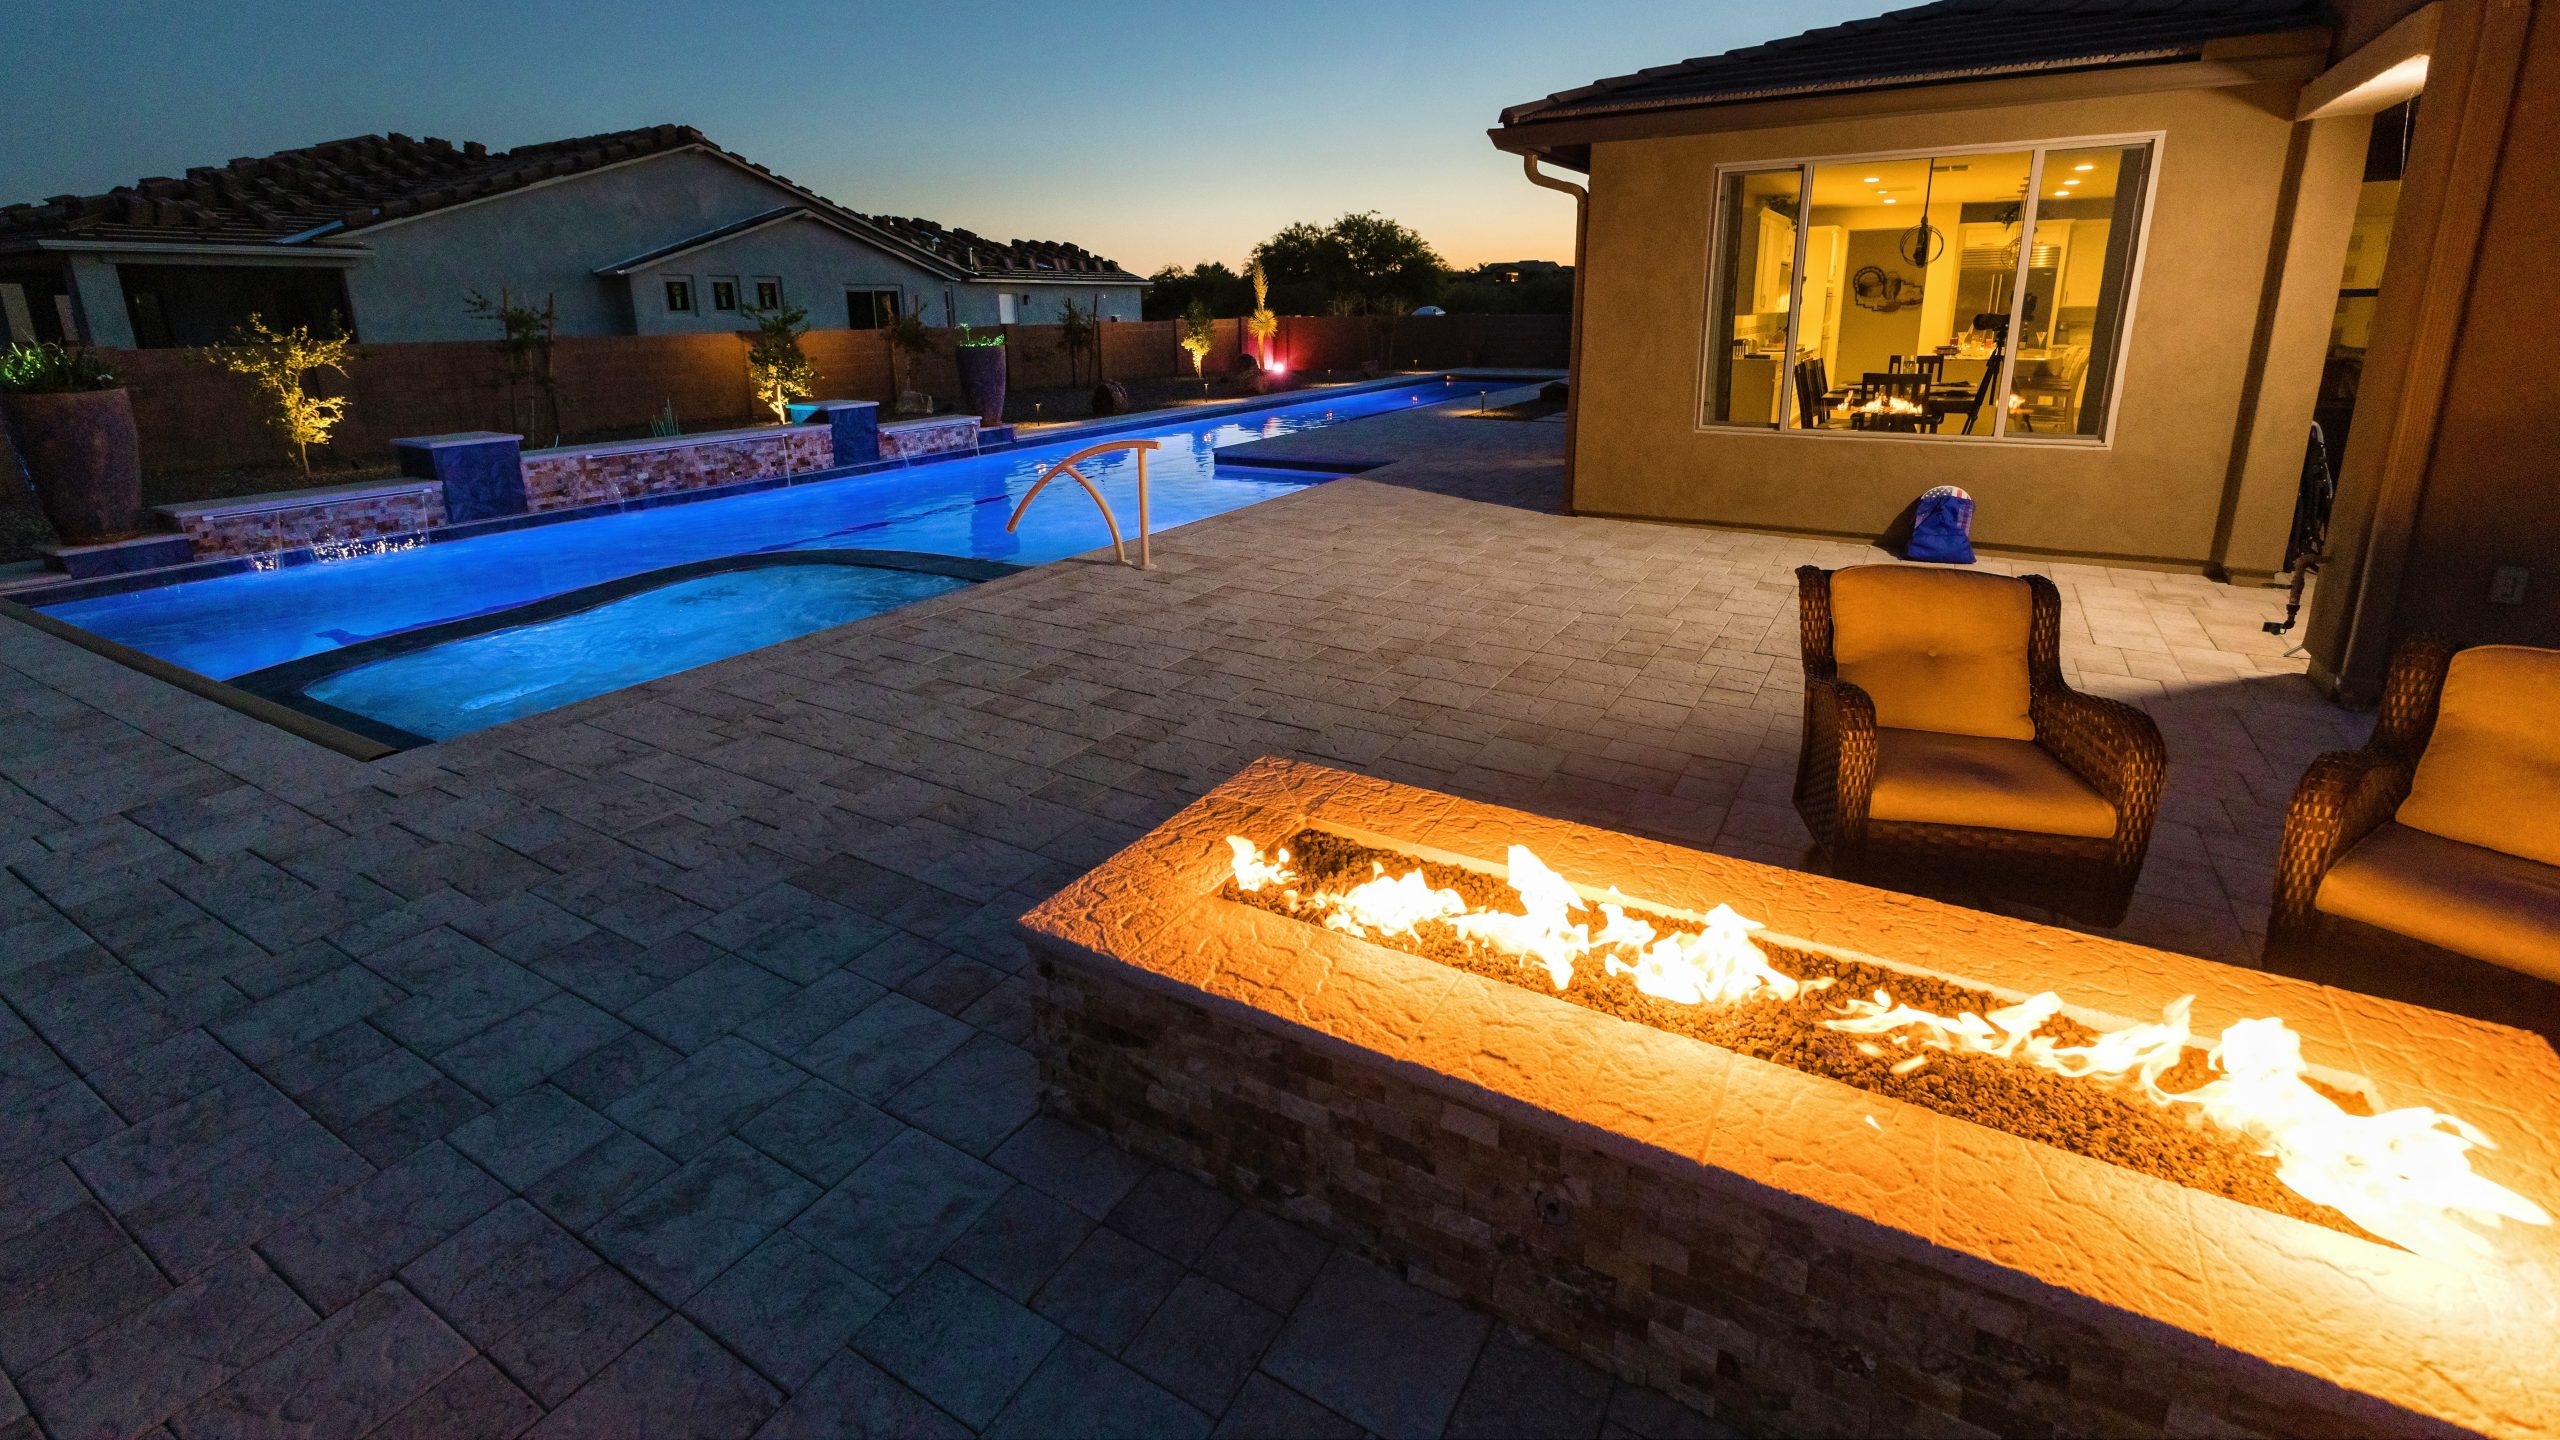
(1563, 135)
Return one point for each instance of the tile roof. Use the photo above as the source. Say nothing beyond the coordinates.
(333, 191)
(1008, 259)
(1950, 40)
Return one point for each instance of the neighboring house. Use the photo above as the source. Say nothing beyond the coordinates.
(2107, 244)
(642, 232)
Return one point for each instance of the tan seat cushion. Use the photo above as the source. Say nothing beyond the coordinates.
(2476, 902)
(1942, 650)
(1935, 779)
(2491, 774)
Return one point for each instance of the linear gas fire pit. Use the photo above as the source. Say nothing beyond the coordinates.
(1870, 1165)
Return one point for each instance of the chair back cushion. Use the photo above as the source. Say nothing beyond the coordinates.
(2491, 773)
(1942, 650)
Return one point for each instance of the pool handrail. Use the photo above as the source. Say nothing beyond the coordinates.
(1067, 467)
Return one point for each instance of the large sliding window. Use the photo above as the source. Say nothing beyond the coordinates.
(1979, 294)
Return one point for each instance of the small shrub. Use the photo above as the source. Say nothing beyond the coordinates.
(1077, 333)
(908, 338)
(1199, 333)
(280, 362)
(524, 347)
(44, 368)
(775, 366)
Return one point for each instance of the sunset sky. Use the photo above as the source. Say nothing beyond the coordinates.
(1150, 131)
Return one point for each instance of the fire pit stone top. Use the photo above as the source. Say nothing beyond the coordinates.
(2470, 1344)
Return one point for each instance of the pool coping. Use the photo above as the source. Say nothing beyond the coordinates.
(98, 587)
(324, 733)
(286, 684)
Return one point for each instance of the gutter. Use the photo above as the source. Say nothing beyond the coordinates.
(1573, 341)
(258, 249)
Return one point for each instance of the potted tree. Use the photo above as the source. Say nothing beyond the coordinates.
(982, 378)
(73, 425)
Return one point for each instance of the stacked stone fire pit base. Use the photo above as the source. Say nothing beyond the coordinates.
(1786, 1253)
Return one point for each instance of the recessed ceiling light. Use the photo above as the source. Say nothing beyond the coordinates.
(2071, 182)
(1872, 180)
(2061, 194)
(2084, 167)
(1888, 200)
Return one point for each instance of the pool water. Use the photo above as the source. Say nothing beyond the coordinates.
(463, 685)
(229, 626)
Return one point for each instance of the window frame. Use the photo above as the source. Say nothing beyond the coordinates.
(670, 286)
(897, 306)
(761, 283)
(1710, 360)
(715, 282)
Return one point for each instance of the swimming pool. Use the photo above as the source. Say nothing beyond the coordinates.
(235, 624)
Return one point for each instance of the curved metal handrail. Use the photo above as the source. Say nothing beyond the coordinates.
(1067, 467)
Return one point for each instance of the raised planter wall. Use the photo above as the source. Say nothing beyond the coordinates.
(577, 475)
(479, 475)
(331, 515)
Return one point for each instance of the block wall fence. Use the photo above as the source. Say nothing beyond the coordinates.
(194, 417)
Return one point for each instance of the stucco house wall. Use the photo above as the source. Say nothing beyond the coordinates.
(815, 261)
(544, 239)
(2177, 480)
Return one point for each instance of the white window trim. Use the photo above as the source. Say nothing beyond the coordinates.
(692, 294)
(2037, 149)
(737, 294)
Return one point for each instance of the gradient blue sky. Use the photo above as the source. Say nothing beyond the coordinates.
(1149, 130)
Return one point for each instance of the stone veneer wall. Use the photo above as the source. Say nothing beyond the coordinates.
(338, 519)
(906, 439)
(1775, 1324)
(591, 475)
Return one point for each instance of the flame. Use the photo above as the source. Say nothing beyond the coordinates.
(1252, 872)
(1719, 964)
(1393, 906)
(2404, 1175)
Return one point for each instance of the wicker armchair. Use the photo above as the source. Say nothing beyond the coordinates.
(2058, 814)
(2468, 927)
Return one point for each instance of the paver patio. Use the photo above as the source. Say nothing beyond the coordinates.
(654, 1066)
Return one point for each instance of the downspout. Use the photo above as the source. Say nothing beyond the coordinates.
(1573, 342)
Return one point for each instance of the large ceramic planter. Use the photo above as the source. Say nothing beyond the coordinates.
(81, 453)
(982, 381)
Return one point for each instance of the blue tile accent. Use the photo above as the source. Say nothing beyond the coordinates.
(855, 424)
(482, 471)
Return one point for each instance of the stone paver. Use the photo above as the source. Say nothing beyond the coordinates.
(656, 1065)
